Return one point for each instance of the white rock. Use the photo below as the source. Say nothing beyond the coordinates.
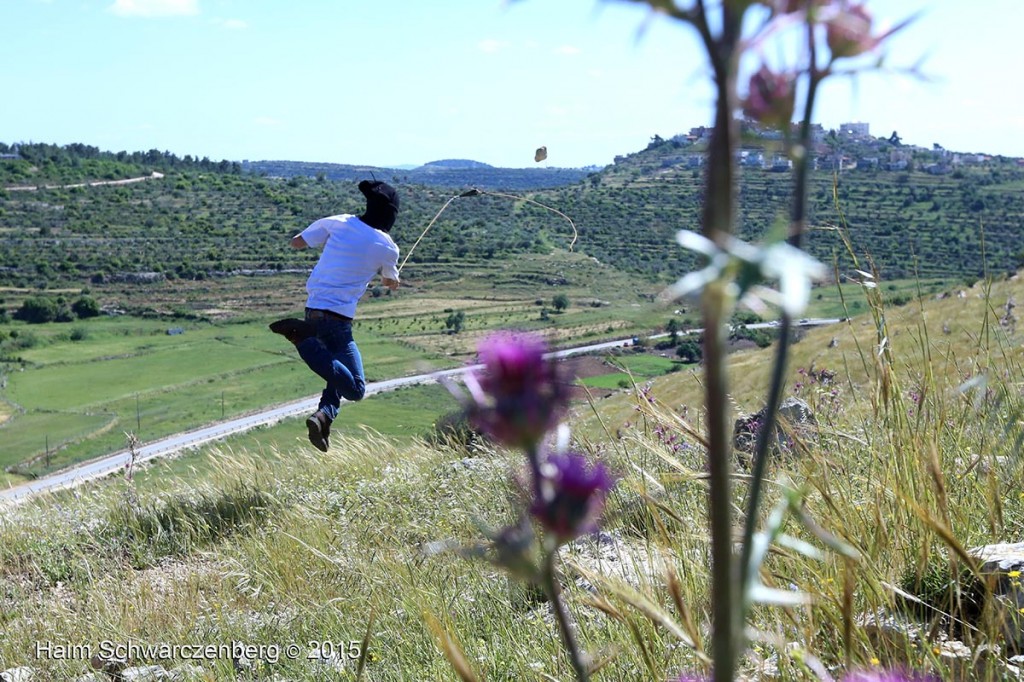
(1002, 567)
(954, 649)
(1002, 557)
(145, 673)
(22, 674)
(187, 672)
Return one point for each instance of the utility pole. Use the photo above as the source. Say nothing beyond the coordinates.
(222, 404)
(138, 415)
(47, 459)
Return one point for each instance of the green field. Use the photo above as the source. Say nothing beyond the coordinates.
(400, 416)
(636, 368)
(76, 399)
(71, 400)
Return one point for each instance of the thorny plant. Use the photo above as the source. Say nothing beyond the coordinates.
(836, 37)
(519, 399)
(131, 495)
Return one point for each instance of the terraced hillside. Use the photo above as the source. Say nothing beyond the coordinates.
(192, 225)
(206, 220)
(907, 221)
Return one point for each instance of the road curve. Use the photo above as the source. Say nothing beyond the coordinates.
(97, 468)
(103, 466)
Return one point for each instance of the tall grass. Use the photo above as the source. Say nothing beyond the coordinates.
(297, 546)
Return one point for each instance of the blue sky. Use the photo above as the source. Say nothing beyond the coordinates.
(411, 81)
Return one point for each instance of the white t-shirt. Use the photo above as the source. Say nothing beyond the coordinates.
(353, 252)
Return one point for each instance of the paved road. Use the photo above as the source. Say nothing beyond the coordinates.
(101, 467)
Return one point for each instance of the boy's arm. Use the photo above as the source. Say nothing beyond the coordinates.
(389, 272)
(298, 242)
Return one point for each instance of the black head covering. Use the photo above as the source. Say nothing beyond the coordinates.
(381, 204)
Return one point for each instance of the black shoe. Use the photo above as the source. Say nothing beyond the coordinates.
(319, 427)
(294, 330)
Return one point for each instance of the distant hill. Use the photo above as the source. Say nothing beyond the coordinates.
(453, 173)
(460, 164)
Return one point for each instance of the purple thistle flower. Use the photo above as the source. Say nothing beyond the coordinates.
(771, 97)
(570, 496)
(519, 396)
(848, 34)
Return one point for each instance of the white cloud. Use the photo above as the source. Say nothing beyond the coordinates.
(490, 46)
(266, 121)
(155, 8)
(232, 24)
(568, 50)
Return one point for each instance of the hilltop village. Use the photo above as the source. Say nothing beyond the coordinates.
(849, 147)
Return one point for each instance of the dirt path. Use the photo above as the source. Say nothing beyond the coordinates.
(98, 183)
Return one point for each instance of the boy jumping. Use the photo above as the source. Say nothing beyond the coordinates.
(355, 249)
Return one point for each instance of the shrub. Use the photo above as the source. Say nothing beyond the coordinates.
(453, 429)
(37, 310)
(85, 307)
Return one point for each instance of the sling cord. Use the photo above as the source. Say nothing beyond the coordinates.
(475, 193)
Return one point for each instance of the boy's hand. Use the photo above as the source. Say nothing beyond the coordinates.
(390, 283)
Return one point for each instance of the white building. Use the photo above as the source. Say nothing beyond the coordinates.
(854, 131)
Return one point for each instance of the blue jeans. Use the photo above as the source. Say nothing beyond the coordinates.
(333, 354)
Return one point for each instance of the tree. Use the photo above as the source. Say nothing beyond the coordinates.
(690, 351)
(455, 322)
(560, 302)
(673, 329)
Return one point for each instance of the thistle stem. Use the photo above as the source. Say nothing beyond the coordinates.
(726, 642)
(533, 457)
(761, 454)
(717, 223)
(554, 593)
(798, 219)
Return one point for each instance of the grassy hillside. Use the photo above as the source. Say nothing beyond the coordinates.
(279, 545)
